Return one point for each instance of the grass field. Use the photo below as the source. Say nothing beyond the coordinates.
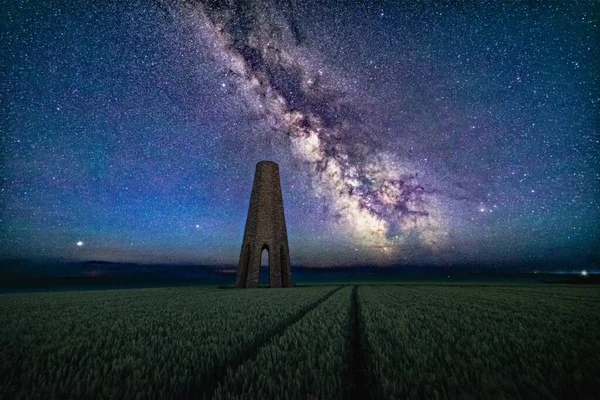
(360, 341)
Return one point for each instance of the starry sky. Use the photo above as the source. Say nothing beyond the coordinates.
(430, 133)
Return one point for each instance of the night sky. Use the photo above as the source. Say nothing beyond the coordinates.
(438, 133)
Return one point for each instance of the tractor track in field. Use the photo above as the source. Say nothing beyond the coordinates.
(357, 365)
(206, 391)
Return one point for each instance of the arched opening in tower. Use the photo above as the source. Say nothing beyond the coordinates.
(264, 277)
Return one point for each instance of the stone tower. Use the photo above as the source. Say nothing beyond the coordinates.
(265, 229)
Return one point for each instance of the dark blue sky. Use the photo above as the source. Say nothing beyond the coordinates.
(437, 133)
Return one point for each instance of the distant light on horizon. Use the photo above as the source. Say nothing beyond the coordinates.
(80, 243)
(584, 273)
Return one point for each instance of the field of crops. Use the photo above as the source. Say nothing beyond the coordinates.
(377, 341)
(481, 342)
(152, 342)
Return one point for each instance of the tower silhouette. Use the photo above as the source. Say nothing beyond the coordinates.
(265, 229)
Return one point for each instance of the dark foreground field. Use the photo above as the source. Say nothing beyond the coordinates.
(378, 341)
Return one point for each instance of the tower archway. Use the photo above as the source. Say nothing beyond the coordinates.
(264, 266)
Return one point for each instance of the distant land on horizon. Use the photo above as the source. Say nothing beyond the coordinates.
(34, 266)
(107, 274)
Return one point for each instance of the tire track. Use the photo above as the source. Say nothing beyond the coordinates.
(358, 377)
(220, 373)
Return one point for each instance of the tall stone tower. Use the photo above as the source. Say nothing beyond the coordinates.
(265, 229)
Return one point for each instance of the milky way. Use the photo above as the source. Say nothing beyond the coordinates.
(374, 195)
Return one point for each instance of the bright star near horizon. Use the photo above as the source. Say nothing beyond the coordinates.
(80, 243)
(584, 273)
